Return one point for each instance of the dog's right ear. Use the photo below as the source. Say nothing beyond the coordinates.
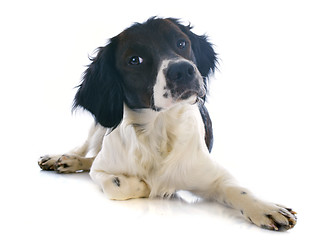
(100, 91)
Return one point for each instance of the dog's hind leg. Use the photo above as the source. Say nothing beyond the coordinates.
(76, 160)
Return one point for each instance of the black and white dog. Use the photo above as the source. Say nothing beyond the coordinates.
(146, 89)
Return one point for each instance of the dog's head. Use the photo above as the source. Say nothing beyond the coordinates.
(152, 65)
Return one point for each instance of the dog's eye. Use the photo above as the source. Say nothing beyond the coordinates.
(135, 60)
(181, 43)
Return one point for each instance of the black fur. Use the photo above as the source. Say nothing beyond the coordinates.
(101, 92)
(105, 88)
(205, 56)
(207, 124)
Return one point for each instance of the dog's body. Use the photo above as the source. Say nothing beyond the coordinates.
(146, 90)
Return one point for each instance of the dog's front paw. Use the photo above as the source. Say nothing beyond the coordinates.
(271, 216)
(47, 162)
(68, 164)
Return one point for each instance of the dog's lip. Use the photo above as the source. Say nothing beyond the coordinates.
(191, 92)
(186, 94)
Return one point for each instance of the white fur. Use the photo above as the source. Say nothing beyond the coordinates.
(157, 153)
(161, 148)
(154, 154)
(160, 89)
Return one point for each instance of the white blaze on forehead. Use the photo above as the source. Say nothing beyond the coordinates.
(161, 94)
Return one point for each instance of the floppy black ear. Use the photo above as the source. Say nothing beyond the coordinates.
(100, 91)
(206, 57)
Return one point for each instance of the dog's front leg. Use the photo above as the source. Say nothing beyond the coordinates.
(263, 214)
(120, 186)
(219, 185)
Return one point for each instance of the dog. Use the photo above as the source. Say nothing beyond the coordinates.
(146, 90)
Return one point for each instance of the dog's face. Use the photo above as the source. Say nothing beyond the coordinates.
(157, 65)
(152, 65)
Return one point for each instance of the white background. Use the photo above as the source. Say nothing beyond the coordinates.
(271, 105)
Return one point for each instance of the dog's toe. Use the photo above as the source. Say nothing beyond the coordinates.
(272, 217)
(47, 162)
(281, 221)
(67, 164)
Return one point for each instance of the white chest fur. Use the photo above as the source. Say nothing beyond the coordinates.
(158, 147)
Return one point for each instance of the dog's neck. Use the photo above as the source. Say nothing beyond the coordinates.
(139, 118)
(162, 129)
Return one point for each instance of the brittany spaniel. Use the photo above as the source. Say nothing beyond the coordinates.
(146, 90)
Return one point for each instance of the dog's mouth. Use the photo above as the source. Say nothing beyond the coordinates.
(187, 94)
(191, 95)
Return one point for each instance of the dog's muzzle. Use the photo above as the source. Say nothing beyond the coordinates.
(184, 80)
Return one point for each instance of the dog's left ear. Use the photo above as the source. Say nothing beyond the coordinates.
(206, 57)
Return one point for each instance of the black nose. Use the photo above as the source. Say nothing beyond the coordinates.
(180, 72)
